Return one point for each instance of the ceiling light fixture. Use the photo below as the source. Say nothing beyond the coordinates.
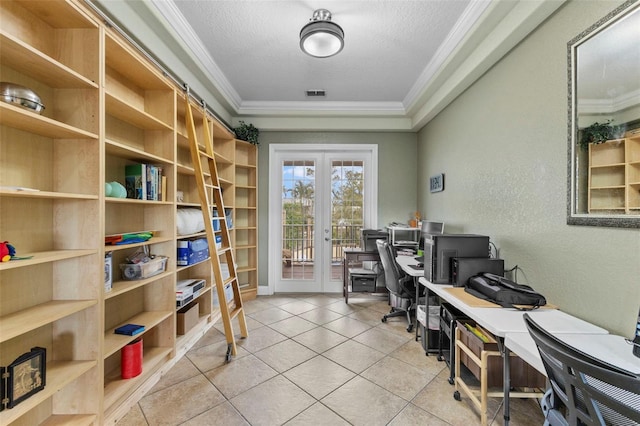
(321, 38)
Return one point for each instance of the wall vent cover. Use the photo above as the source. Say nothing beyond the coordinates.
(316, 93)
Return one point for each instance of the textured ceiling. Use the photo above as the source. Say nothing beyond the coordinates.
(387, 45)
(403, 60)
(255, 47)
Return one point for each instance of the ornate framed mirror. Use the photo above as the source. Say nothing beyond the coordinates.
(604, 121)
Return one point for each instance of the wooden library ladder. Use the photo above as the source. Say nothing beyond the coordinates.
(205, 169)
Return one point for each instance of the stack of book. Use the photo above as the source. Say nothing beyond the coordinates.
(145, 182)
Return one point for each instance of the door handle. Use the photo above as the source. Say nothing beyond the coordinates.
(327, 239)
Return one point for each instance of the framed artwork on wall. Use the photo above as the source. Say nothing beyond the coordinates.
(436, 183)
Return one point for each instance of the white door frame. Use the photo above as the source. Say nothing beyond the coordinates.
(275, 194)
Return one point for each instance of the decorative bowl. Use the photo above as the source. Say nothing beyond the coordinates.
(20, 96)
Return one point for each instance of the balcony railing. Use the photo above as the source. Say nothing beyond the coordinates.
(298, 242)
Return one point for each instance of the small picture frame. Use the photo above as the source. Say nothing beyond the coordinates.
(26, 376)
(436, 183)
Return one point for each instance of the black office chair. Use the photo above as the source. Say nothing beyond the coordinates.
(584, 390)
(401, 289)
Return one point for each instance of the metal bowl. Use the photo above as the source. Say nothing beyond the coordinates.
(20, 96)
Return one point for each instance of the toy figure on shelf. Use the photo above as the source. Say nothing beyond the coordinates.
(8, 252)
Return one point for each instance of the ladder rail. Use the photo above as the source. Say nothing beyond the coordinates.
(221, 282)
(224, 227)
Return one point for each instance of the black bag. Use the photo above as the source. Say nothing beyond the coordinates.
(504, 292)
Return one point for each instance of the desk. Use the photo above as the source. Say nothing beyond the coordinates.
(351, 259)
(502, 321)
(610, 348)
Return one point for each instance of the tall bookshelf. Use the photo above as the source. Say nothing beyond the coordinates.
(246, 217)
(186, 186)
(53, 299)
(106, 107)
(139, 120)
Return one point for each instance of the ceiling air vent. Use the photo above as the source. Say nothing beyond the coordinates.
(316, 93)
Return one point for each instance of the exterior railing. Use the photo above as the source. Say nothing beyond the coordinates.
(298, 242)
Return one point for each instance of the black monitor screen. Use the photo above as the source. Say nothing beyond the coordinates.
(432, 227)
(429, 228)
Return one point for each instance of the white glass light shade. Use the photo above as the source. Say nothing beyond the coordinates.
(321, 38)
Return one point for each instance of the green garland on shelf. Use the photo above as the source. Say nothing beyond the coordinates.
(598, 133)
(247, 132)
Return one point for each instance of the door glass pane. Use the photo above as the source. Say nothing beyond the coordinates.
(347, 213)
(298, 219)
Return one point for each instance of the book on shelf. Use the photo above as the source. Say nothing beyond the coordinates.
(129, 329)
(145, 182)
(135, 179)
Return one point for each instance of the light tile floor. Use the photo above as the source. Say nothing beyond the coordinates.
(311, 359)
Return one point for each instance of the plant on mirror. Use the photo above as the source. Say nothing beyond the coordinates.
(599, 133)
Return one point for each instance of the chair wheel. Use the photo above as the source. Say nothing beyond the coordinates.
(440, 358)
(451, 381)
(384, 319)
(456, 396)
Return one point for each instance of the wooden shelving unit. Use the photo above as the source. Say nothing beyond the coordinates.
(186, 185)
(614, 176)
(139, 128)
(106, 106)
(246, 217)
(52, 300)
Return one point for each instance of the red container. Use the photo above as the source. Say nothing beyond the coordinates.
(131, 359)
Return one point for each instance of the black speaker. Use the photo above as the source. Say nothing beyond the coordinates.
(463, 268)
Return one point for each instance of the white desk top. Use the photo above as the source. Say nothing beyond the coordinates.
(523, 345)
(403, 228)
(609, 348)
(500, 321)
(405, 263)
(509, 324)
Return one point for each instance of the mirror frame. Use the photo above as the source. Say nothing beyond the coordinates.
(574, 218)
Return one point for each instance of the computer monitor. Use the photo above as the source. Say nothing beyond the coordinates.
(430, 227)
(440, 249)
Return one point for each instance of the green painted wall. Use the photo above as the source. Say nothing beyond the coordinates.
(397, 164)
(503, 148)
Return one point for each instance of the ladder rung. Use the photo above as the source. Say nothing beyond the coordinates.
(235, 312)
(204, 154)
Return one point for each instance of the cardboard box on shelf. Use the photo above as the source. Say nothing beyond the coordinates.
(187, 318)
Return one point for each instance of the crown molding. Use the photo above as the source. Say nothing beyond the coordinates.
(507, 30)
(486, 32)
(196, 50)
(321, 108)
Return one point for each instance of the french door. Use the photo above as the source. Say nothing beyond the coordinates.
(320, 197)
